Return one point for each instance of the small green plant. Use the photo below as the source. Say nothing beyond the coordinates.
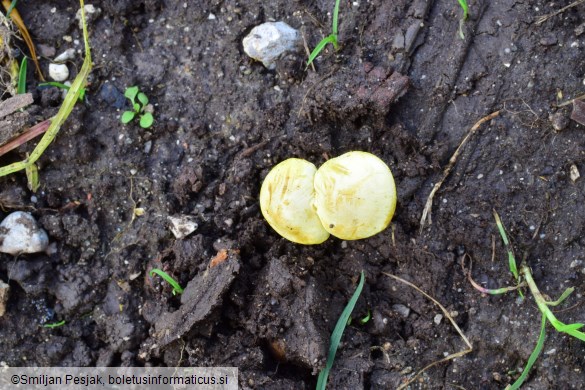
(138, 107)
(331, 38)
(177, 289)
(523, 277)
(465, 7)
(338, 332)
(64, 87)
(21, 86)
(54, 325)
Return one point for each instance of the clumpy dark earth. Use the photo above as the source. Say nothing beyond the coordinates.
(404, 86)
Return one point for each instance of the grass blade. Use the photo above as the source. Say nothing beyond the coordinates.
(64, 111)
(533, 356)
(338, 332)
(320, 46)
(511, 258)
(336, 17)
(465, 7)
(177, 289)
(21, 87)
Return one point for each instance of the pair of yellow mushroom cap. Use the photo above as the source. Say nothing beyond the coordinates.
(352, 196)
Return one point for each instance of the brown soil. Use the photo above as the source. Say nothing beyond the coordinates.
(405, 87)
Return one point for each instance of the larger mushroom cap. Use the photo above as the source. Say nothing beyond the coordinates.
(355, 195)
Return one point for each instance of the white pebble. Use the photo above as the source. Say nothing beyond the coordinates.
(438, 318)
(268, 41)
(211, 17)
(182, 225)
(67, 55)
(19, 233)
(58, 72)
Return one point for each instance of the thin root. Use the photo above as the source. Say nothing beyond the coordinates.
(427, 210)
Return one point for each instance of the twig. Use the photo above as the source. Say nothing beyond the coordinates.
(452, 161)
(544, 18)
(448, 315)
(31, 133)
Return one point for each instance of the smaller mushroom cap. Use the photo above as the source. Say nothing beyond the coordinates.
(286, 201)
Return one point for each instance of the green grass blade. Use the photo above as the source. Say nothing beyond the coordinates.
(9, 10)
(21, 86)
(320, 46)
(463, 4)
(533, 356)
(54, 325)
(338, 332)
(336, 18)
(32, 176)
(564, 296)
(64, 111)
(177, 289)
(511, 258)
(62, 86)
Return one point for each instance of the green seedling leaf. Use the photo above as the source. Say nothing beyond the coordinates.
(320, 46)
(9, 10)
(533, 356)
(146, 120)
(32, 175)
(463, 4)
(331, 38)
(177, 289)
(338, 332)
(509, 249)
(131, 93)
(564, 296)
(143, 99)
(66, 107)
(21, 86)
(136, 107)
(465, 7)
(127, 116)
(335, 19)
(54, 325)
(366, 319)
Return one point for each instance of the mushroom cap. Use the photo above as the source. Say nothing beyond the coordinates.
(355, 195)
(286, 200)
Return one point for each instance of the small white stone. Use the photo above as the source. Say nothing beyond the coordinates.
(575, 263)
(574, 173)
(268, 41)
(58, 72)
(19, 233)
(211, 17)
(67, 55)
(182, 225)
(438, 318)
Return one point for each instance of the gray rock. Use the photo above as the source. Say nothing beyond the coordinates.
(20, 233)
(269, 41)
(182, 225)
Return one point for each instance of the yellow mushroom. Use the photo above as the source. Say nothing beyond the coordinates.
(355, 195)
(352, 196)
(286, 201)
